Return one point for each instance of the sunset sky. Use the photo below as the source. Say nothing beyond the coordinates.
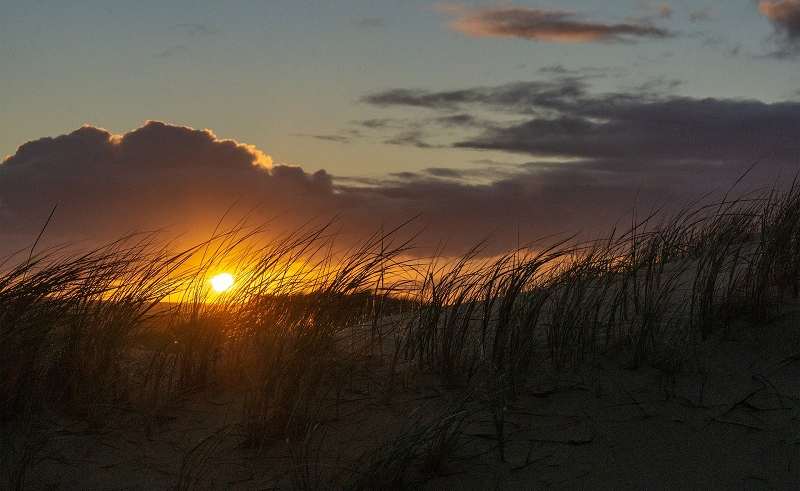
(486, 118)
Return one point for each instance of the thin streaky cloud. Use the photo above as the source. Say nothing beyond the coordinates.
(370, 22)
(196, 29)
(554, 26)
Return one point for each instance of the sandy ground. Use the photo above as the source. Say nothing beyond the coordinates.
(730, 419)
(732, 424)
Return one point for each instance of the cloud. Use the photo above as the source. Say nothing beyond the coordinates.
(412, 138)
(596, 153)
(582, 72)
(331, 138)
(536, 202)
(344, 136)
(156, 176)
(701, 15)
(172, 51)
(555, 26)
(785, 18)
(662, 10)
(486, 174)
(375, 123)
(517, 96)
(607, 154)
(370, 22)
(196, 29)
(182, 180)
(719, 42)
(647, 123)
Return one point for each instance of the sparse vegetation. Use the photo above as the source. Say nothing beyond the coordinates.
(123, 334)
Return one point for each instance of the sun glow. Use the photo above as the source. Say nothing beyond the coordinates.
(222, 282)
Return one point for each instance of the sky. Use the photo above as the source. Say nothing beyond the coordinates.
(482, 117)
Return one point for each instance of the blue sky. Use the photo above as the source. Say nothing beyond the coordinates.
(265, 72)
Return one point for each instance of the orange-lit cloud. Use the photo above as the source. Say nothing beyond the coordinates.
(784, 11)
(785, 18)
(156, 176)
(555, 26)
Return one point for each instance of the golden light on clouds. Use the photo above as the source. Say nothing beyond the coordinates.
(778, 10)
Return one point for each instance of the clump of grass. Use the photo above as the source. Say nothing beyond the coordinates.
(19, 453)
(422, 448)
(301, 346)
(67, 323)
(196, 471)
(308, 470)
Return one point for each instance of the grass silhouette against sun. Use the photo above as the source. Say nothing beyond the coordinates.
(310, 333)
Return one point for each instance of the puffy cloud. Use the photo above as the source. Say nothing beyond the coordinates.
(785, 17)
(156, 176)
(545, 25)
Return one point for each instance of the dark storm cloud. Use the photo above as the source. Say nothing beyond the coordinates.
(785, 18)
(545, 25)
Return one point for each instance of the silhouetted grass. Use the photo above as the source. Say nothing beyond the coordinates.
(132, 327)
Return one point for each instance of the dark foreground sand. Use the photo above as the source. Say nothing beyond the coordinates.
(729, 419)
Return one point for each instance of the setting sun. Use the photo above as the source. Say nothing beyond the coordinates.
(222, 282)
